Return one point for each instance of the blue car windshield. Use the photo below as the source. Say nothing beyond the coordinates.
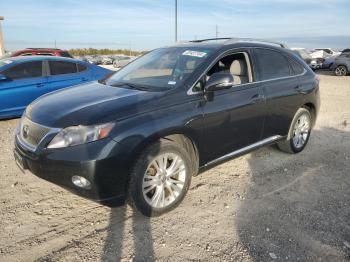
(4, 62)
(161, 68)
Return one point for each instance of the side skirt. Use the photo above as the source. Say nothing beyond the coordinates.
(242, 151)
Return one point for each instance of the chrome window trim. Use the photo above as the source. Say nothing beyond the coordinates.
(190, 91)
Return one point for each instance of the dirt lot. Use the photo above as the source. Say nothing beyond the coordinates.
(264, 206)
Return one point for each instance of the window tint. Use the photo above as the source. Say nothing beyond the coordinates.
(25, 70)
(45, 54)
(81, 67)
(297, 67)
(345, 54)
(61, 67)
(240, 74)
(65, 54)
(272, 64)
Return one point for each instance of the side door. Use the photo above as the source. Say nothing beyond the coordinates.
(233, 118)
(63, 74)
(25, 83)
(281, 88)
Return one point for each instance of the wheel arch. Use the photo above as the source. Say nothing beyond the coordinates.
(347, 66)
(180, 137)
(312, 109)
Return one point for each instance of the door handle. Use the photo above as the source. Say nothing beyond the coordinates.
(40, 85)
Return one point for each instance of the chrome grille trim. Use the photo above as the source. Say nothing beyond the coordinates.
(36, 133)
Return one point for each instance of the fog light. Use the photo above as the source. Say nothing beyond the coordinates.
(82, 182)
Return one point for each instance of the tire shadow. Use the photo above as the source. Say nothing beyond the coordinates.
(118, 238)
(297, 206)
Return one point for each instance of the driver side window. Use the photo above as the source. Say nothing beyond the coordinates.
(234, 64)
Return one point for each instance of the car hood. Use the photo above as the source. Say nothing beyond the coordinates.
(89, 104)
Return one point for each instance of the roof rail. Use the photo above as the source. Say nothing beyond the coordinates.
(210, 39)
(259, 40)
(237, 39)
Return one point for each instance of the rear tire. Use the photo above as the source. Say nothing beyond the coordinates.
(160, 178)
(299, 133)
(341, 71)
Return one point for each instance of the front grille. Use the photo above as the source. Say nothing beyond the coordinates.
(32, 133)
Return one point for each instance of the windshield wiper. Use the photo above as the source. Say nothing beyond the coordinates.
(132, 86)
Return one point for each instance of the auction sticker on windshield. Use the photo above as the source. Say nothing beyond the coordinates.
(194, 53)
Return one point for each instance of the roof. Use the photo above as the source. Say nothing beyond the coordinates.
(220, 42)
(19, 59)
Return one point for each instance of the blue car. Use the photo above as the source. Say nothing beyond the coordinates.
(23, 79)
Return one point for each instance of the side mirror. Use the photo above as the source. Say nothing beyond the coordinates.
(3, 77)
(219, 81)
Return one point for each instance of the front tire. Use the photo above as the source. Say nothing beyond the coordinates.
(299, 132)
(341, 71)
(160, 178)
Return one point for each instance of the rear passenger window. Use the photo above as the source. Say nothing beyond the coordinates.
(81, 67)
(61, 67)
(272, 64)
(297, 67)
(25, 70)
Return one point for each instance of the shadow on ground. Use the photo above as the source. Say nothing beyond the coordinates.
(300, 210)
(141, 232)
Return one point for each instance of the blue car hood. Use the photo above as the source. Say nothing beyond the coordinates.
(88, 104)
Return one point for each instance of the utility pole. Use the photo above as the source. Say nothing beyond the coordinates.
(55, 44)
(175, 21)
(216, 31)
(2, 48)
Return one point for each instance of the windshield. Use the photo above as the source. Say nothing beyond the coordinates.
(161, 68)
(5, 62)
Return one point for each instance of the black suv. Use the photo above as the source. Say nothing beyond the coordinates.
(144, 132)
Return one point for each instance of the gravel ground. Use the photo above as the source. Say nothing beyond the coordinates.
(264, 206)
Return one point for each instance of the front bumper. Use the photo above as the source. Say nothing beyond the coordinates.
(104, 163)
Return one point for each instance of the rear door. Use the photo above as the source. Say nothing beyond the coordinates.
(25, 83)
(64, 74)
(281, 88)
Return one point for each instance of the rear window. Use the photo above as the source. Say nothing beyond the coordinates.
(50, 54)
(61, 67)
(65, 54)
(81, 67)
(297, 67)
(272, 64)
(24, 70)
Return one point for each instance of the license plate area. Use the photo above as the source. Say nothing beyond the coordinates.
(20, 161)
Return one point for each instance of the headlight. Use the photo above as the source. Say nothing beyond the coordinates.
(77, 135)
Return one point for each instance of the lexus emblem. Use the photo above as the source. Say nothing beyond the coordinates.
(25, 131)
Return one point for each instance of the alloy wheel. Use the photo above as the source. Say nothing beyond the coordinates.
(164, 180)
(341, 71)
(301, 130)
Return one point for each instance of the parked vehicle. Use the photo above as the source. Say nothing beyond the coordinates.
(341, 64)
(94, 59)
(41, 51)
(122, 61)
(305, 55)
(329, 51)
(107, 60)
(142, 133)
(23, 79)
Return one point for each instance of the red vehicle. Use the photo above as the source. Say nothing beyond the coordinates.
(41, 51)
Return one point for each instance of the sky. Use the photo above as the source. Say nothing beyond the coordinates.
(147, 24)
